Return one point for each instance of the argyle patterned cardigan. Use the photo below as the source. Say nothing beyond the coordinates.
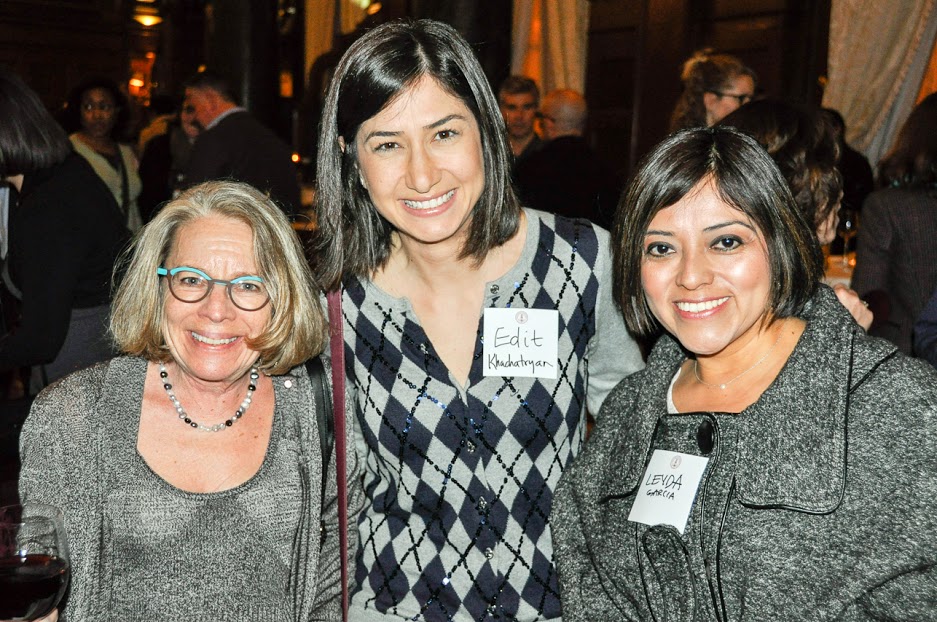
(459, 481)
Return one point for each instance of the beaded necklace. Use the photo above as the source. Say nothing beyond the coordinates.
(227, 423)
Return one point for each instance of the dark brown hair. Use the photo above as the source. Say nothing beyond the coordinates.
(746, 178)
(912, 160)
(802, 142)
(373, 72)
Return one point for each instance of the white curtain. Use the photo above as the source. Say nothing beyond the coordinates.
(878, 54)
(549, 42)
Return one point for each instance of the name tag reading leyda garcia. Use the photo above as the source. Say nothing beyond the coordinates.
(520, 342)
(668, 489)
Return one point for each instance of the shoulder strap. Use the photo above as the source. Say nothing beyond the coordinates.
(337, 345)
(324, 416)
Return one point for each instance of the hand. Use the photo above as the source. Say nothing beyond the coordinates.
(857, 307)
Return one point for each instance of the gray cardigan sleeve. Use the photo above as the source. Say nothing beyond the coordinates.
(612, 353)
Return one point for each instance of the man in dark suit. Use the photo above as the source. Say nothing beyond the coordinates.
(234, 145)
(566, 176)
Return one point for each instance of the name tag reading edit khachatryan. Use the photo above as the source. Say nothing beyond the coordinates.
(668, 489)
(520, 342)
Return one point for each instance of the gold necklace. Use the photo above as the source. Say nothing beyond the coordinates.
(757, 363)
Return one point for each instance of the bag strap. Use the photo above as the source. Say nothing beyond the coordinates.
(325, 419)
(337, 345)
(124, 186)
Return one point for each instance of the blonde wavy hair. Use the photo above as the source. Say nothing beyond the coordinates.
(297, 329)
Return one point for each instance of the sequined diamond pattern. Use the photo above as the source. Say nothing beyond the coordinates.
(459, 482)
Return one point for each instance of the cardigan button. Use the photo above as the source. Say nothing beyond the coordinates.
(706, 437)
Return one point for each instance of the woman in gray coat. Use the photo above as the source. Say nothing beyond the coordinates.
(772, 462)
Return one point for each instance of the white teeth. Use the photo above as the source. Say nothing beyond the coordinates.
(697, 307)
(210, 341)
(431, 203)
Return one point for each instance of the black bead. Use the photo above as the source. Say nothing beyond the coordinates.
(228, 423)
(251, 387)
(187, 420)
(193, 424)
(163, 374)
(167, 386)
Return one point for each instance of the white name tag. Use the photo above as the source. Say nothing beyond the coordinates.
(668, 490)
(520, 342)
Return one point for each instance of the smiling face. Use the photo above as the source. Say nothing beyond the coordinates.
(98, 113)
(421, 162)
(705, 272)
(208, 339)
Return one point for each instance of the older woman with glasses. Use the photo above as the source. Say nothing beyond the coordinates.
(189, 469)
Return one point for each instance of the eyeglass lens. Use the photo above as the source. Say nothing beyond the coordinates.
(248, 293)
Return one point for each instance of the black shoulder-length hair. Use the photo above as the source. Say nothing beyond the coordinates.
(746, 178)
(351, 237)
(30, 139)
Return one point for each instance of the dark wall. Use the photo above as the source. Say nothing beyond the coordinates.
(53, 45)
(636, 50)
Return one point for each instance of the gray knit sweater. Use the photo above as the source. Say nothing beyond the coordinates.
(819, 501)
(145, 550)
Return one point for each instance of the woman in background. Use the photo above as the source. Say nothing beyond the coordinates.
(713, 86)
(804, 146)
(896, 254)
(772, 462)
(463, 435)
(96, 113)
(65, 233)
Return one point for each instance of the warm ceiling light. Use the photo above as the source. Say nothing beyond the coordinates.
(146, 13)
(147, 20)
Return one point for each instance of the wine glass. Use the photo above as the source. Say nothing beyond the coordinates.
(34, 561)
(847, 229)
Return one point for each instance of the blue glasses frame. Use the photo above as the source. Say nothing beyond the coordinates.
(211, 282)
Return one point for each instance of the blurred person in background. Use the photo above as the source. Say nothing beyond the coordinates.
(519, 101)
(804, 146)
(566, 176)
(65, 231)
(896, 253)
(233, 144)
(164, 160)
(713, 86)
(96, 115)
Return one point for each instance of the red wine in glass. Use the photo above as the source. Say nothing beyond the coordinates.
(31, 586)
(34, 566)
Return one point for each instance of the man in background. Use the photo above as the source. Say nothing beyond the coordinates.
(566, 176)
(234, 145)
(519, 99)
